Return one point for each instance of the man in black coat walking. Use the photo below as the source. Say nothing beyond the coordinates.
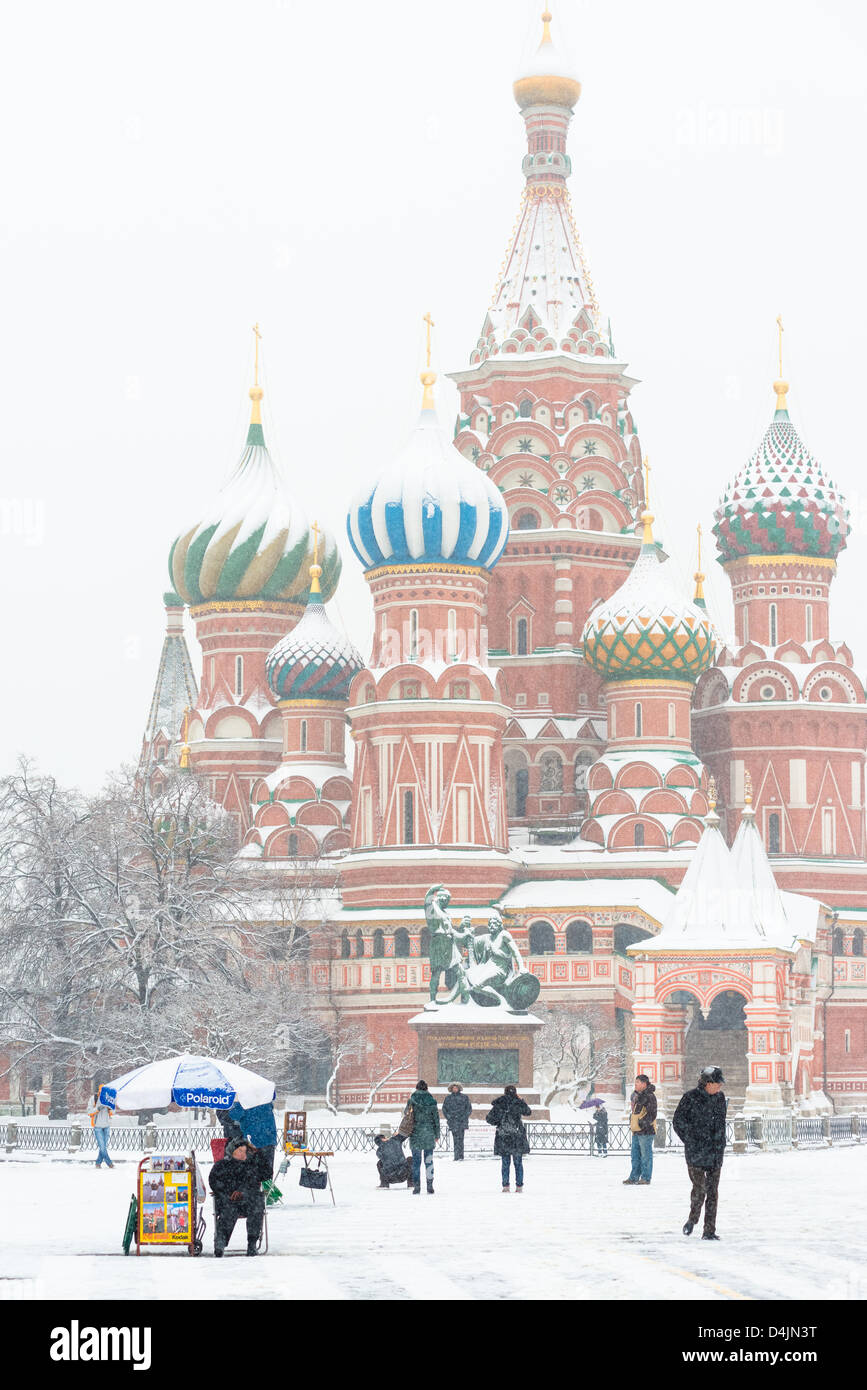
(236, 1182)
(700, 1121)
(457, 1110)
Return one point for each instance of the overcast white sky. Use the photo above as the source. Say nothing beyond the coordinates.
(173, 172)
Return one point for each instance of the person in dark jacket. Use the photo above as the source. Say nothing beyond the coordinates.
(600, 1121)
(425, 1133)
(236, 1182)
(391, 1161)
(510, 1141)
(642, 1123)
(457, 1111)
(700, 1121)
(231, 1129)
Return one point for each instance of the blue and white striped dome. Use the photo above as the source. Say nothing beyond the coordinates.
(431, 506)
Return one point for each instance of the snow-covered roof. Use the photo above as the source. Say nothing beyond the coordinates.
(577, 893)
(317, 773)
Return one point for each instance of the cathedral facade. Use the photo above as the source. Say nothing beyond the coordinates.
(671, 824)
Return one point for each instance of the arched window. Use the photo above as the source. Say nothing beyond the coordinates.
(773, 833)
(213, 672)
(408, 817)
(857, 942)
(424, 942)
(525, 410)
(413, 634)
(359, 943)
(612, 722)
(401, 942)
(746, 625)
(522, 628)
(327, 736)
(452, 634)
(627, 935)
(522, 787)
(379, 943)
(672, 721)
(239, 675)
(541, 939)
(579, 937)
(639, 721)
(808, 622)
(344, 945)
(293, 846)
(772, 624)
(837, 947)
(638, 838)
(526, 521)
(303, 739)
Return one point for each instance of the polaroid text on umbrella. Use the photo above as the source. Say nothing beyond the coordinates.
(219, 1099)
(76, 1343)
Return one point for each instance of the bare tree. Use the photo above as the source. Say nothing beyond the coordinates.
(387, 1060)
(573, 1050)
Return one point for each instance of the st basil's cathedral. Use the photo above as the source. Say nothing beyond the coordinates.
(671, 824)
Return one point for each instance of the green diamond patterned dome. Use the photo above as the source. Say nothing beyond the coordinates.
(647, 630)
(253, 542)
(781, 503)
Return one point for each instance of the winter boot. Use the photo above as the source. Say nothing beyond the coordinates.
(710, 1235)
(630, 1182)
(417, 1189)
(688, 1227)
(520, 1188)
(251, 1248)
(430, 1188)
(506, 1187)
(643, 1182)
(218, 1251)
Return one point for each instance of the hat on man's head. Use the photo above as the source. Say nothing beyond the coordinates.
(234, 1144)
(711, 1074)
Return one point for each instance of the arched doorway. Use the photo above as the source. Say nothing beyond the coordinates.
(716, 1036)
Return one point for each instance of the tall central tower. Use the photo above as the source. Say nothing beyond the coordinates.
(545, 414)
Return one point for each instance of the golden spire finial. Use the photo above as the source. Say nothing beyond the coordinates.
(546, 20)
(781, 387)
(711, 794)
(427, 377)
(185, 747)
(698, 576)
(748, 788)
(647, 516)
(315, 568)
(256, 392)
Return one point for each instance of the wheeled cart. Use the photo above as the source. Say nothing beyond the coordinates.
(166, 1207)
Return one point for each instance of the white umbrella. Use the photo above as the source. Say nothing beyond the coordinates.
(188, 1081)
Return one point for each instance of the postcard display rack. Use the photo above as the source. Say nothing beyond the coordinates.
(169, 1193)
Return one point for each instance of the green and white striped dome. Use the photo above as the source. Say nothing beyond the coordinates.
(253, 543)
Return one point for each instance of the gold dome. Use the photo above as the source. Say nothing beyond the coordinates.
(549, 82)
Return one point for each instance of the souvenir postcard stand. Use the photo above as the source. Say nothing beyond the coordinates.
(168, 1192)
(295, 1142)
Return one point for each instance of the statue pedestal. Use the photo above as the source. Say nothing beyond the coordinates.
(483, 1049)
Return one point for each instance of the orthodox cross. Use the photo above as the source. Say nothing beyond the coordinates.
(316, 533)
(430, 324)
(698, 529)
(780, 340)
(646, 482)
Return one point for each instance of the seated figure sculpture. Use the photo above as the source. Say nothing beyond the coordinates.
(494, 975)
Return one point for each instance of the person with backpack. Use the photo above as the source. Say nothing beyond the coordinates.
(423, 1126)
(392, 1163)
(600, 1121)
(457, 1110)
(642, 1125)
(510, 1141)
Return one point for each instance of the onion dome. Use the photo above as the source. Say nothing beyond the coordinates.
(431, 506)
(548, 79)
(314, 661)
(253, 543)
(648, 629)
(781, 503)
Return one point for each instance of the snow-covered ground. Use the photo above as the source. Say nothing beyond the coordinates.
(792, 1225)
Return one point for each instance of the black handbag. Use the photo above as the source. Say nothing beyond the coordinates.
(313, 1177)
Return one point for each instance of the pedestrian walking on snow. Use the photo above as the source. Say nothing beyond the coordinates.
(457, 1111)
(100, 1118)
(425, 1133)
(510, 1141)
(600, 1121)
(642, 1123)
(700, 1121)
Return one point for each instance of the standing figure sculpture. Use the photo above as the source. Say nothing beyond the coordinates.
(445, 946)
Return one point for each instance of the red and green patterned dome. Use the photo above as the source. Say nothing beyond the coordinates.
(648, 630)
(781, 503)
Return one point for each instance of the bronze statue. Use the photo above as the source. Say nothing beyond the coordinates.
(494, 975)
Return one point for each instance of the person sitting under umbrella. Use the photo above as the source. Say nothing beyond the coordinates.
(236, 1182)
